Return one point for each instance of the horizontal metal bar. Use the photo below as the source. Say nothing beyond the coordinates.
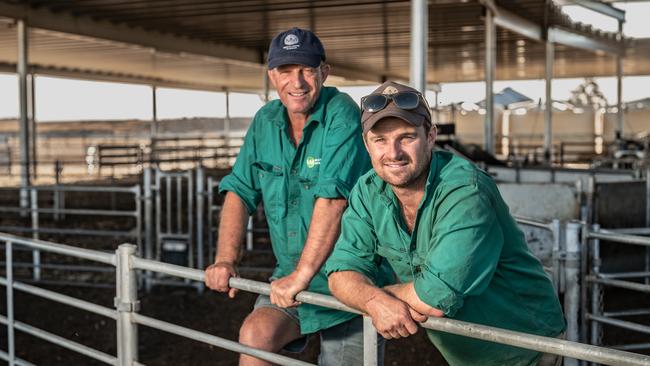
(215, 341)
(517, 339)
(632, 312)
(532, 222)
(517, 24)
(70, 283)
(624, 275)
(20, 362)
(76, 267)
(628, 230)
(71, 211)
(621, 324)
(50, 230)
(597, 6)
(63, 342)
(63, 299)
(98, 189)
(632, 347)
(620, 284)
(577, 40)
(542, 344)
(47, 246)
(620, 238)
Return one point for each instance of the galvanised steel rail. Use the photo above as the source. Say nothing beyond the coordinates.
(542, 344)
(127, 306)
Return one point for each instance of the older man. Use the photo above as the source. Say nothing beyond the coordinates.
(301, 157)
(445, 230)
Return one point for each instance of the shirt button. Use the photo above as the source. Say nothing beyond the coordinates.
(291, 234)
(294, 171)
(293, 202)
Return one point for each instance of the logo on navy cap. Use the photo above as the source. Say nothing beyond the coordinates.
(291, 42)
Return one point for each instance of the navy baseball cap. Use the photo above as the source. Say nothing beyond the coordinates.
(296, 47)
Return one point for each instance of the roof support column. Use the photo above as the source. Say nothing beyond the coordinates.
(548, 111)
(419, 44)
(490, 61)
(619, 88)
(24, 118)
(154, 111)
(226, 121)
(32, 125)
(267, 85)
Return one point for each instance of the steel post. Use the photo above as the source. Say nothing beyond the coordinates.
(22, 66)
(126, 303)
(572, 276)
(596, 290)
(226, 121)
(548, 112)
(619, 87)
(190, 220)
(370, 343)
(154, 112)
(556, 230)
(249, 234)
(419, 44)
(32, 124)
(200, 210)
(36, 254)
(647, 196)
(490, 61)
(10, 302)
(148, 214)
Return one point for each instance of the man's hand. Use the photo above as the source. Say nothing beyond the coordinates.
(285, 289)
(392, 317)
(217, 277)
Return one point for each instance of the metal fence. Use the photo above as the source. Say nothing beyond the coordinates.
(633, 280)
(126, 315)
(39, 196)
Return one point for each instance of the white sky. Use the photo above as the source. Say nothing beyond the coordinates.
(67, 99)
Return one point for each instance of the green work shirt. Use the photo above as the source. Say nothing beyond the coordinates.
(288, 179)
(466, 257)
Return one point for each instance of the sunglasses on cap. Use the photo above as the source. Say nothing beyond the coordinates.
(407, 100)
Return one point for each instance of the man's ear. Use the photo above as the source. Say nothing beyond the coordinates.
(271, 75)
(325, 71)
(433, 134)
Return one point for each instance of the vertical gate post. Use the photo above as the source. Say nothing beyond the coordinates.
(200, 210)
(36, 254)
(10, 302)
(596, 290)
(572, 294)
(249, 234)
(556, 230)
(126, 303)
(370, 356)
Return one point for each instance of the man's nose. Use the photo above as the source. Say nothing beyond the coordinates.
(394, 150)
(297, 79)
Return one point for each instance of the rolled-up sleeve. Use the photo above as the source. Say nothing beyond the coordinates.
(355, 248)
(344, 158)
(466, 249)
(243, 180)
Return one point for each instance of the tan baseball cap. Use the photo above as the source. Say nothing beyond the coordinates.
(416, 116)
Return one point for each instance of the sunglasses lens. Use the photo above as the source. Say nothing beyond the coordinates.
(374, 102)
(406, 100)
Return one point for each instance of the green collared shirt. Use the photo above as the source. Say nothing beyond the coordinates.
(466, 257)
(288, 179)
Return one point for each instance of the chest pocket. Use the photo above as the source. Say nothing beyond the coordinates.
(273, 187)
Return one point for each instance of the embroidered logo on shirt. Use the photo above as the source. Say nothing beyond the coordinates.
(312, 161)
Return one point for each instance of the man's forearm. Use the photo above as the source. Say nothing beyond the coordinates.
(232, 229)
(406, 292)
(353, 289)
(324, 229)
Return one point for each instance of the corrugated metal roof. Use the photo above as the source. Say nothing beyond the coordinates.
(215, 44)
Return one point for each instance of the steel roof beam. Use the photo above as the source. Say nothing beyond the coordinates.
(597, 6)
(529, 29)
(62, 22)
(165, 42)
